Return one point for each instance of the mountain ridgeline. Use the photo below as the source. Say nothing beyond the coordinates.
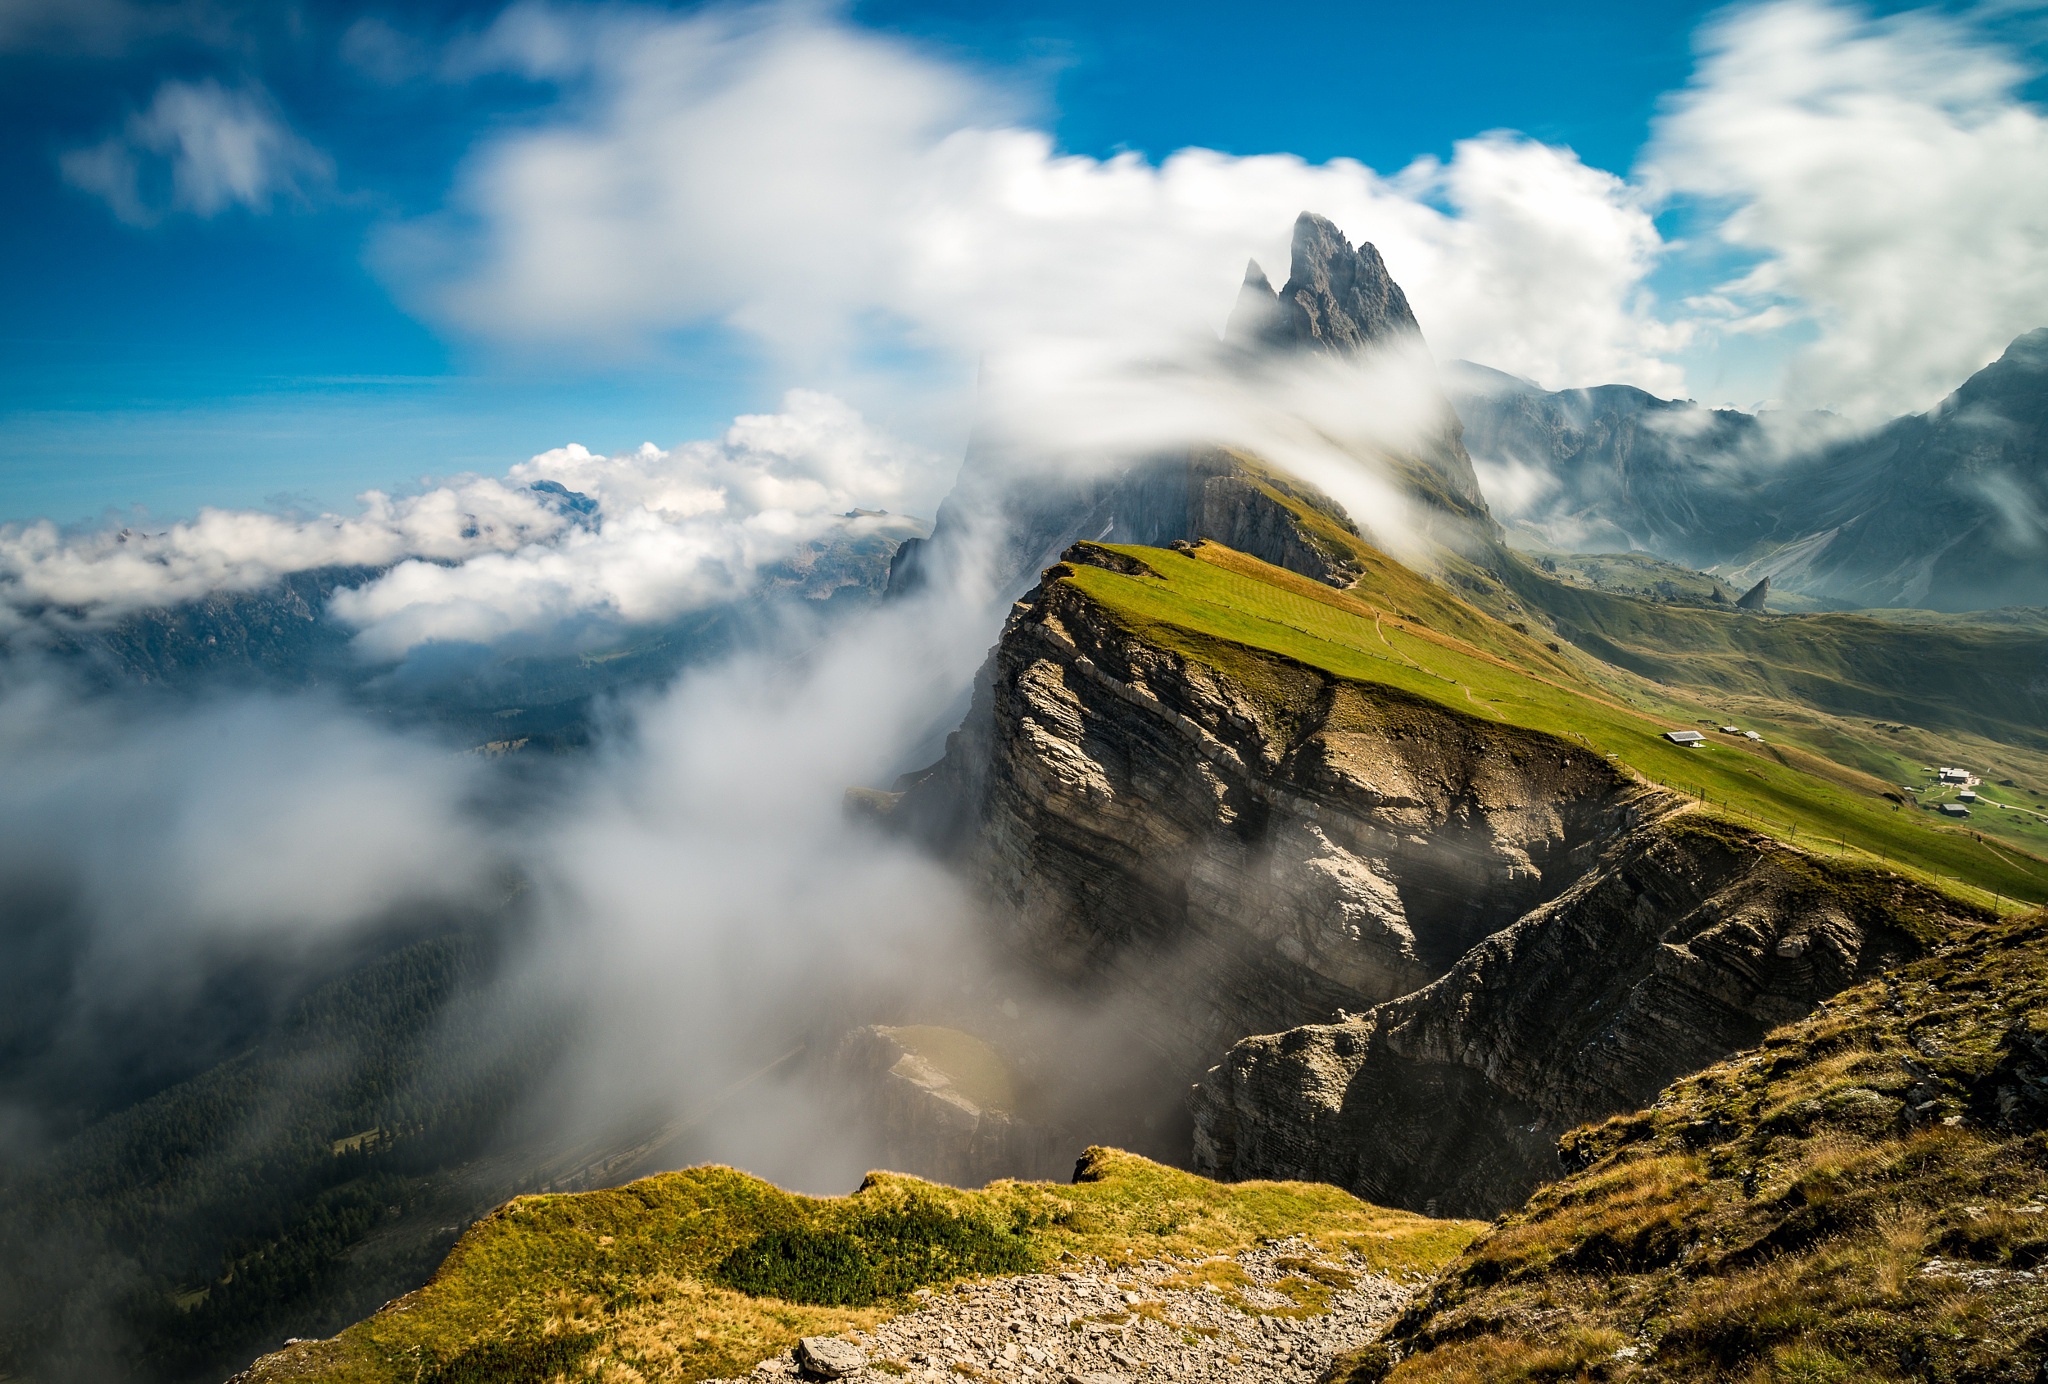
(1384, 875)
(1015, 508)
(1946, 509)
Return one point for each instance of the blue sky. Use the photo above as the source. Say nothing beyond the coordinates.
(265, 350)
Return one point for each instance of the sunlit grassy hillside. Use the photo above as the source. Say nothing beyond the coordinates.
(1395, 628)
(698, 1274)
(1988, 679)
(1862, 1198)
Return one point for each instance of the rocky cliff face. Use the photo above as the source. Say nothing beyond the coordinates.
(933, 1124)
(1247, 860)
(1338, 300)
(1474, 936)
(1685, 942)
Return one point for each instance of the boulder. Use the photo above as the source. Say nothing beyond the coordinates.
(829, 1357)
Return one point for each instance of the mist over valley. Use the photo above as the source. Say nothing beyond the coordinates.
(1217, 775)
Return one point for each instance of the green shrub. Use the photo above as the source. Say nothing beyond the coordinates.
(531, 1360)
(874, 1259)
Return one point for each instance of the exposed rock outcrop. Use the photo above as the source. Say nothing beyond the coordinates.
(934, 1122)
(1248, 860)
(1244, 844)
(1338, 300)
(1687, 941)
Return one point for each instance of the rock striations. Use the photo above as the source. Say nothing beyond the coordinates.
(1141, 819)
(1687, 941)
(1246, 845)
(1338, 300)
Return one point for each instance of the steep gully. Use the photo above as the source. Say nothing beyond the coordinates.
(1423, 946)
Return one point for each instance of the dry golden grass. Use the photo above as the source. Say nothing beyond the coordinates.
(624, 1285)
(1778, 1218)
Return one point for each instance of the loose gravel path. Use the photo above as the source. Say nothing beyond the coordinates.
(1277, 1314)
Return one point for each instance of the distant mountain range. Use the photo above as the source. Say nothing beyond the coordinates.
(533, 695)
(1944, 510)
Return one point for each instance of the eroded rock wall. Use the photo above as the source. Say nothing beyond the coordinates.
(1687, 941)
(1245, 851)
(930, 1127)
(1459, 939)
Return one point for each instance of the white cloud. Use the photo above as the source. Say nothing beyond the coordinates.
(655, 533)
(199, 148)
(1892, 181)
(825, 188)
(675, 531)
(112, 572)
(229, 818)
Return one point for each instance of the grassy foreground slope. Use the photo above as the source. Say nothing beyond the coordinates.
(1397, 629)
(696, 1274)
(1864, 1197)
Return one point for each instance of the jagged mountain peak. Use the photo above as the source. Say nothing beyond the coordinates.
(2018, 377)
(1941, 509)
(1256, 319)
(1338, 298)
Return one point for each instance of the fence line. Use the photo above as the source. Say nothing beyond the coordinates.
(1840, 846)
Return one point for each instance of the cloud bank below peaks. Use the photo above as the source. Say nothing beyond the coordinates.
(564, 539)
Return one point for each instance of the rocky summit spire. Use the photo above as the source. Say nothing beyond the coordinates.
(1339, 299)
(1256, 319)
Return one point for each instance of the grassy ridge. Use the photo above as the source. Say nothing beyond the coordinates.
(1862, 1198)
(1950, 675)
(653, 1277)
(1396, 629)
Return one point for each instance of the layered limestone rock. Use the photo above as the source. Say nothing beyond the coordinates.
(1687, 941)
(1246, 860)
(941, 1103)
(1235, 843)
